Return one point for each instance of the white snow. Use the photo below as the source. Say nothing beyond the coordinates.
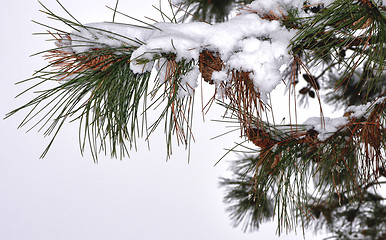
(326, 128)
(363, 110)
(105, 34)
(219, 77)
(188, 83)
(264, 59)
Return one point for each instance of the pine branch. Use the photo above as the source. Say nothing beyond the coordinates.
(287, 160)
(99, 90)
(104, 75)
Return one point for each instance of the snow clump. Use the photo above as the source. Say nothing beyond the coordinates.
(363, 110)
(326, 127)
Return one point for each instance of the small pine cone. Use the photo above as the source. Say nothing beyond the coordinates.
(259, 137)
(208, 63)
(311, 136)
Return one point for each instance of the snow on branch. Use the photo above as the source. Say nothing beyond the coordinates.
(245, 43)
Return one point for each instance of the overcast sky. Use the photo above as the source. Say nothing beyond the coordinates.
(67, 196)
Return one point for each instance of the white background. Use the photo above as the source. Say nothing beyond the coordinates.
(67, 196)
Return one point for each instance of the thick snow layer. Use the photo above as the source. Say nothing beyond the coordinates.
(263, 58)
(326, 128)
(246, 43)
(186, 40)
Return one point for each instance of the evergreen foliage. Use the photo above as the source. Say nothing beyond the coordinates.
(301, 174)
